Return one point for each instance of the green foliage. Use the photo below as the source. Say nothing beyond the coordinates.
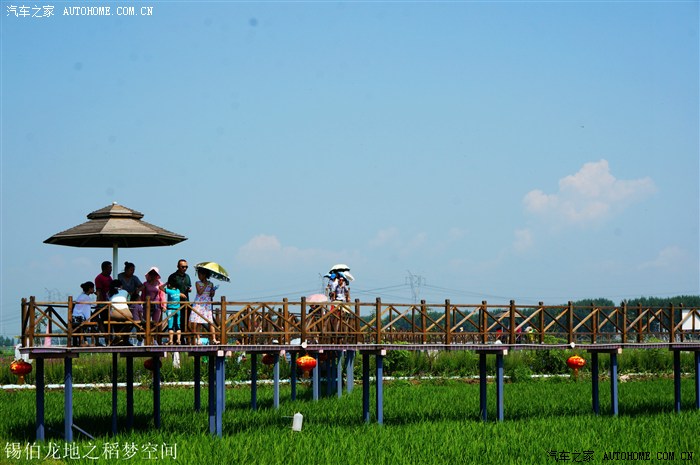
(430, 423)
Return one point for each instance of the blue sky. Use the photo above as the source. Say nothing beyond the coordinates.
(536, 151)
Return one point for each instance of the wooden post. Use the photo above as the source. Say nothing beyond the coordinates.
(378, 320)
(356, 323)
(222, 322)
(23, 340)
(285, 317)
(448, 322)
(32, 320)
(511, 336)
(303, 319)
(570, 328)
(484, 323)
(672, 312)
(624, 322)
(640, 327)
(423, 322)
(594, 317)
(148, 337)
(541, 328)
(69, 342)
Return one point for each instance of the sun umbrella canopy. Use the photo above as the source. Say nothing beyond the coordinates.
(115, 226)
(317, 298)
(340, 267)
(217, 271)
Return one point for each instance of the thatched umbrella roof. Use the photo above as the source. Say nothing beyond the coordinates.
(115, 226)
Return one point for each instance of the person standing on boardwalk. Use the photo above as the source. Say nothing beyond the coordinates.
(103, 281)
(182, 281)
(202, 309)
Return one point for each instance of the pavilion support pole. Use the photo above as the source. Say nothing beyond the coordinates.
(595, 382)
(293, 375)
(482, 386)
(68, 399)
(365, 386)
(40, 426)
(156, 392)
(197, 382)
(614, 409)
(499, 386)
(276, 382)
(380, 386)
(677, 380)
(115, 267)
(115, 389)
(129, 392)
(254, 381)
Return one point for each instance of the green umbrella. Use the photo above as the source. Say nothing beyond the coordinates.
(217, 271)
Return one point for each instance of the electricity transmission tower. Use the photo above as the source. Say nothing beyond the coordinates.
(416, 282)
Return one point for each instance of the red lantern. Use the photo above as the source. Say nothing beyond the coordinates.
(20, 368)
(575, 362)
(268, 359)
(306, 363)
(148, 364)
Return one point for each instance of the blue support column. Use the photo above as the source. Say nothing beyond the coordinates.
(329, 379)
(677, 380)
(211, 389)
(254, 381)
(156, 392)
(68, 399)
(613, 384)
(293, 375)
(40, 426)
(338, 376)
(314, 378)
(595, 386)
(276, 382)
(380, 388)
(129, 392)
(697, 379)
(349, 370)
(365, 387)
(499, 386)
(482, 386)
(115, 388)
(197, 383)
(220, 400)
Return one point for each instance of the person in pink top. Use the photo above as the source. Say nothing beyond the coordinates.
(152, 290)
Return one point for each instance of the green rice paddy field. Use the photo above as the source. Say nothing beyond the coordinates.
(428, 422)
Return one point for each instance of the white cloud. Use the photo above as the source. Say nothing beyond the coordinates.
(590, 195)
(266, 250)
(392, 240)
(523, 240)
(668, 258)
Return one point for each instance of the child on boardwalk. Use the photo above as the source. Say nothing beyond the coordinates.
(201, 310)
(174, 296)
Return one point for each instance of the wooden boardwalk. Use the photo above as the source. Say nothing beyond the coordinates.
(340, 331)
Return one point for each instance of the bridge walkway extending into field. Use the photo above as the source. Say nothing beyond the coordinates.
(274, 330)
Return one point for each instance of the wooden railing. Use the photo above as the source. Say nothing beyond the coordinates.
(376, 322)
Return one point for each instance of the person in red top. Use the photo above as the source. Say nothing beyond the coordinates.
(102, 283)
